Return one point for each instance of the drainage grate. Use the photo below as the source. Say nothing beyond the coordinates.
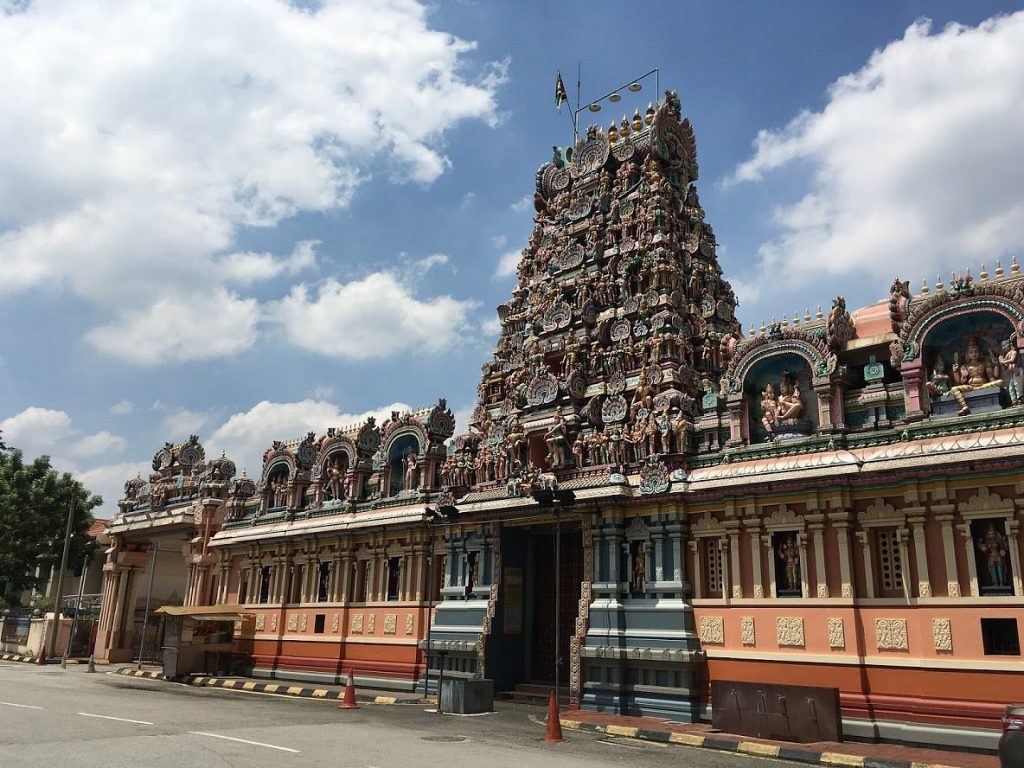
(445, 739)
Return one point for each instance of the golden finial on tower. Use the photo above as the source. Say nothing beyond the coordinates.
(796, 318)
(1014, 267)
(983, 275)
(785, 320)
(807, 314)
(638, 123)
(924, 287)
(624, 129)
(999, 268)
(938, 284)
(649, 117)
(819, 315)
(613, 133)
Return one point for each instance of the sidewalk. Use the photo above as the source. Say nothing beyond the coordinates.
(817, 753)
(249, 685)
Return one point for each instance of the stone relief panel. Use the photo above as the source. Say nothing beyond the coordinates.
(335, 623)
(390, 623)
(712, 630)
(273, 623)
(747, 635)
(357, 622)
(261, 622)
(410, 623)
(942, 634)
(891, 634)
(371, 620)
(303, 622)
(293, 623)
(836, 633)
(789, 631)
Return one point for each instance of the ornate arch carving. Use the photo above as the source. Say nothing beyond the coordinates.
(412, 427)
(812, 347)
(278, 456)
(329, 448)
(1006, 299)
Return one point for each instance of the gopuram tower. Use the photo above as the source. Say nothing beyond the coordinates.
(621, 321)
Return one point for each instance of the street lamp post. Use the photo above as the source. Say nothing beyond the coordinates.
(446, 510)
(51, 644)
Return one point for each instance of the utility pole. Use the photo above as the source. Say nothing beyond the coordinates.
(78, 610)
(149, 597)
(50, 645)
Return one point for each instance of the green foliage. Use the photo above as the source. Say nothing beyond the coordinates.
(34, 502)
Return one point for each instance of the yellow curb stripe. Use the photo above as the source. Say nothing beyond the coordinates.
(294, 690)
(248, 686)
(319, 693)
(689, 739)
(754, 748)
(572, 725)
(200, 681)
(385, 700)
(230, 683)
(835, 758)
(271, 688)
(621, 730)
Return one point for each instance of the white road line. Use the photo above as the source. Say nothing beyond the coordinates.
(245, 741)
(119, 719)
(22, 706)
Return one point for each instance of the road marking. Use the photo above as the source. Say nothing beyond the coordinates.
(245, 741)
(120, 719)
(21, 706)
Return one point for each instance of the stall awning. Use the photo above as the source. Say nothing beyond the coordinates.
(204, 612)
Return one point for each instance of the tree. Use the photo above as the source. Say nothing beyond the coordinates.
(34, 502)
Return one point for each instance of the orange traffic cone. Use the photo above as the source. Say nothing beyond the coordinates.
(349, 702)
(554, 731)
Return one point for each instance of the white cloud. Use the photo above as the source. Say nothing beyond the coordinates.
(491, 326)
(375, 317)
(462, 417)
(36, 430)
(508, 264)
(122, 408)
(108, 481)
(95, 445)
(522, 204)
(914, 162)
(138, 140)
(499, 241)
(245, 436)
(181, 422)
(431, 261)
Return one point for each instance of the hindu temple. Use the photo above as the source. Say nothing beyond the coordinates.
(650, 504)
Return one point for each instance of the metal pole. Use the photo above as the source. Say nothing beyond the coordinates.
(51, 644)
(558, 604)
(149, 595)
(78, 609)
(429, 592)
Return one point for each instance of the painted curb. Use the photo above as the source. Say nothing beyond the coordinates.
(781, 752)
(16, 657)
(251, 686)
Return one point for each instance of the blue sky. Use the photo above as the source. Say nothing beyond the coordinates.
(248, 220)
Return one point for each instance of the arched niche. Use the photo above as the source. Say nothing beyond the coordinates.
(947, 339)
(783, 370)
(275, 488)
(402, 450)
(333, 473)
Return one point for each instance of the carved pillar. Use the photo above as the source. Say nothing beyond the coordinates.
(736, 408)
(345, 573)
(869, 571)
(824, 393)
(804, 585)
(697, 585)
(766, 541)
(753, 527)
(613, 537)
(723, 547)
(838, 406)
(945, 519)
(675, 533)
(734, 561)
(657, 544)
(841, 522)
(901, 541)
(916, 520)
(968, 544)
(816, 526)
(913, 377)
(1013, 544)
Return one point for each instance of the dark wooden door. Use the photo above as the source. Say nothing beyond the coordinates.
(542, 641)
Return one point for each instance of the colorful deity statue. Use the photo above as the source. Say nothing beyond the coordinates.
(555, 438)
(993, 545)
(973, 374)
(1013, 374)
(790, 404)
(938, 384)
(789, 554)
(769, 409)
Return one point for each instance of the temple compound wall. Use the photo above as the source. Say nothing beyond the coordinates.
(647, 500)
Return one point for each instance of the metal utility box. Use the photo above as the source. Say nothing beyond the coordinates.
(467, 697)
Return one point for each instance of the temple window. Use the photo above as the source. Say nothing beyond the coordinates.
(786, 552)
(992, 557)
(243, 588)
(713, 567)
(890, 562)
(265, 573)
(295, 591)
(394, 577)
(277, 488)
(319, 620)
(323, 582)
(1000, 637)
(403, 456)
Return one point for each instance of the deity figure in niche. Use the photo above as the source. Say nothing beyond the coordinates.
(938, 384)
(578, 449)
(993, 546)
(555, 438)
(769, 410)
(1009, 360)
(638, 571)
(644, 391)
(974, 373)
(664, 427)
(334, 481)
(279, 493)
(790, 405)
(788, 553)
(410, 470)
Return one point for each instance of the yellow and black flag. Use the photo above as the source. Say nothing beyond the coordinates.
(560, 95)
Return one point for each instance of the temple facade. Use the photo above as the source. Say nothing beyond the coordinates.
(829, 500)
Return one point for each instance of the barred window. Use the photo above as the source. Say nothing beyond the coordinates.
(713, 556)
(890, 563)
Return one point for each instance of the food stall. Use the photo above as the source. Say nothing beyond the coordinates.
(199, 639)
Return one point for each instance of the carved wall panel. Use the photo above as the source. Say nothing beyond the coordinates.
(836, 633)
(261, 622)
(410, 623)
(357, 622)
(712, 630)
(789, 631)
(942, 634)
(390, 623)
(747, 635)
(891, 634)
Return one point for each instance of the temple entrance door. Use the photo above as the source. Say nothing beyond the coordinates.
(542, 638)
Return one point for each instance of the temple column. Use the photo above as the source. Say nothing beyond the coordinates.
(697, 585)
(841, 523)
(675, 532)
(901, 541)
(1013, 544)
(824, 393)
(735, 580)
(753, 527)
(804, 584)
(915, 520)
(613, 537)
(869, 571)
(723, 547)
(816, 526)
(766, 541)
(945, 519)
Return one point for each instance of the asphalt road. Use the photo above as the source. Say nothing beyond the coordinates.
(52, 717)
